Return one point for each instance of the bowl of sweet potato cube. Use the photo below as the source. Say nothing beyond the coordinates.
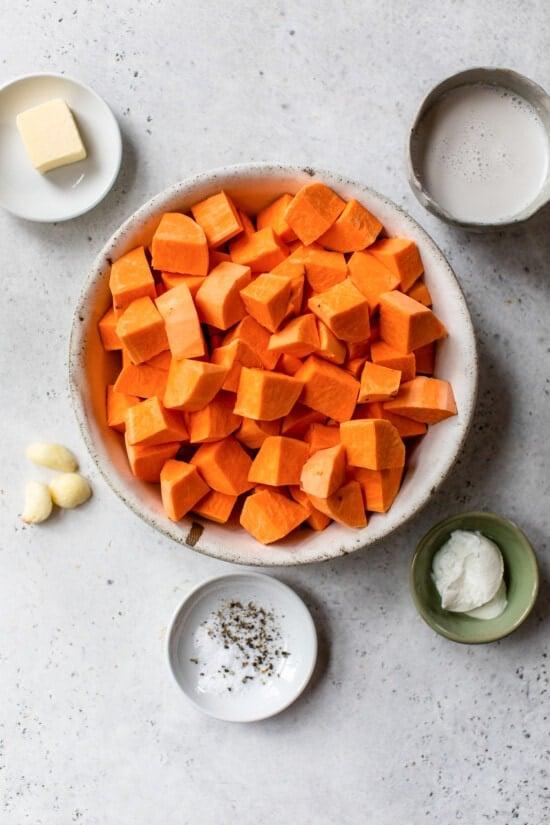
(273, 365)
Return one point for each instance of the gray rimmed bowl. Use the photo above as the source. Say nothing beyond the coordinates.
(503, 78)
(91, 369)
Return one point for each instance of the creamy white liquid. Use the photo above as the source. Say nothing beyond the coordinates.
(486, 153)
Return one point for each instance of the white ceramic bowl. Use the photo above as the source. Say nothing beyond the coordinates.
(91, 369)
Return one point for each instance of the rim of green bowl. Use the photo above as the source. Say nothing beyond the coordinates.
(426, 541)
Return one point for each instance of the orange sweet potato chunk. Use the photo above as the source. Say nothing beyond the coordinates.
(268, 515)
(224, 465)
(218, 299)
(142, 380)
(234, 357)
(131, 278)
(406, 324)
(279, 461)
(371, 277)
(215, 506)
(274, 216)
(107, 331)
(182, 323)
(406, 427)
(428, 400)
(179, 245)
(118, 403)
(253, 433)
(261, 251)
(379, 487)
(378, 383)
(149, 423)
(312, 210)
(420, 292)
(386, 356)
(173, 279)
(266, 395)
(288, 364)
(328, 389)
(425, 359)
(267, 299)
(344, 506)
(146, 463)
(373, 443)
(354, 229)
(401, 256)
(324, 472)
(344, 310)
(320, 436)
(141, 330)
(323, 268)
(215, 421)
(192, 384)
(218, 217)
(299, 337)
(256, 336)
(330, 348)
(316, 520)
(181, 487)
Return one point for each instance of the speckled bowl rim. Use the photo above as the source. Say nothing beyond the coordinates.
(77, 213)
(254, 576)
(424, 545)
(214, 549)
(465, 77)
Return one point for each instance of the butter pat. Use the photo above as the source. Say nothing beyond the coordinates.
(50, 135)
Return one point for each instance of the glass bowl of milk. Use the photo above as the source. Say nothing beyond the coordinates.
(479, 149)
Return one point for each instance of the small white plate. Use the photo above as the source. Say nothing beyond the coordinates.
(70, 190)
(258, 698)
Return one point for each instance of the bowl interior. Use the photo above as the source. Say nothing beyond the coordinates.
(91, 369)
(520, 574)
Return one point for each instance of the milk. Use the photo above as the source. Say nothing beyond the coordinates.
(485, 155)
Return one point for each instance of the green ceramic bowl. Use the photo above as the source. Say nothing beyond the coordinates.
(520, 573)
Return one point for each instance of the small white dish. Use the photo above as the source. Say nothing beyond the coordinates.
(258, 698)
(68, 191)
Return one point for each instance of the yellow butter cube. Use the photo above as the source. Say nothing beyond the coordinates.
(50, 135)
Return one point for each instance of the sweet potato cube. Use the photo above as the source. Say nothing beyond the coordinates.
(401, 256)
(406, 427)
(299, 337)
(173, 279)
(371, 277)
(215, 421)
(183, 327)
(215, 506)
(312, 210)
(386, 356)
(328, 389)
(142, 380)
(425, 359)
(266, 395)
(192, 384)
(296, 273)
(420, 292)
(296, 423)
(256, 336)
(373, 443)
(354, 229)
(149, 423)
(253, 433)
(117, 405)
(406, 324)
(378, 383)
(233, 357)
(141, 330)
(179, 245)
(161, 361)
(321, 436)
(180, 488)
(344, 506)
(344, 310)
(429, 400)
(224, 465)
(278, 461)
(266, 299)
(355, 366)
(268, 515)
(316, 520)
(261, 251)
(288, 364)
(379, 487)
(330, 348)
(146, 463)
(323, 269)
(218, 300)
(324, 472)
(107, 331)
(218, 217)
(247, 222)
(274, 216)
(131, 278)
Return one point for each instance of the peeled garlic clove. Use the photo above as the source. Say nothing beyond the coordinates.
(38, 503)
(54, 456)
(69, 490)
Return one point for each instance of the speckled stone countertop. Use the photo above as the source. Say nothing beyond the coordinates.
(399, 724)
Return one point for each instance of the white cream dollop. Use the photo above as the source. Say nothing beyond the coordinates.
(467, 571)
